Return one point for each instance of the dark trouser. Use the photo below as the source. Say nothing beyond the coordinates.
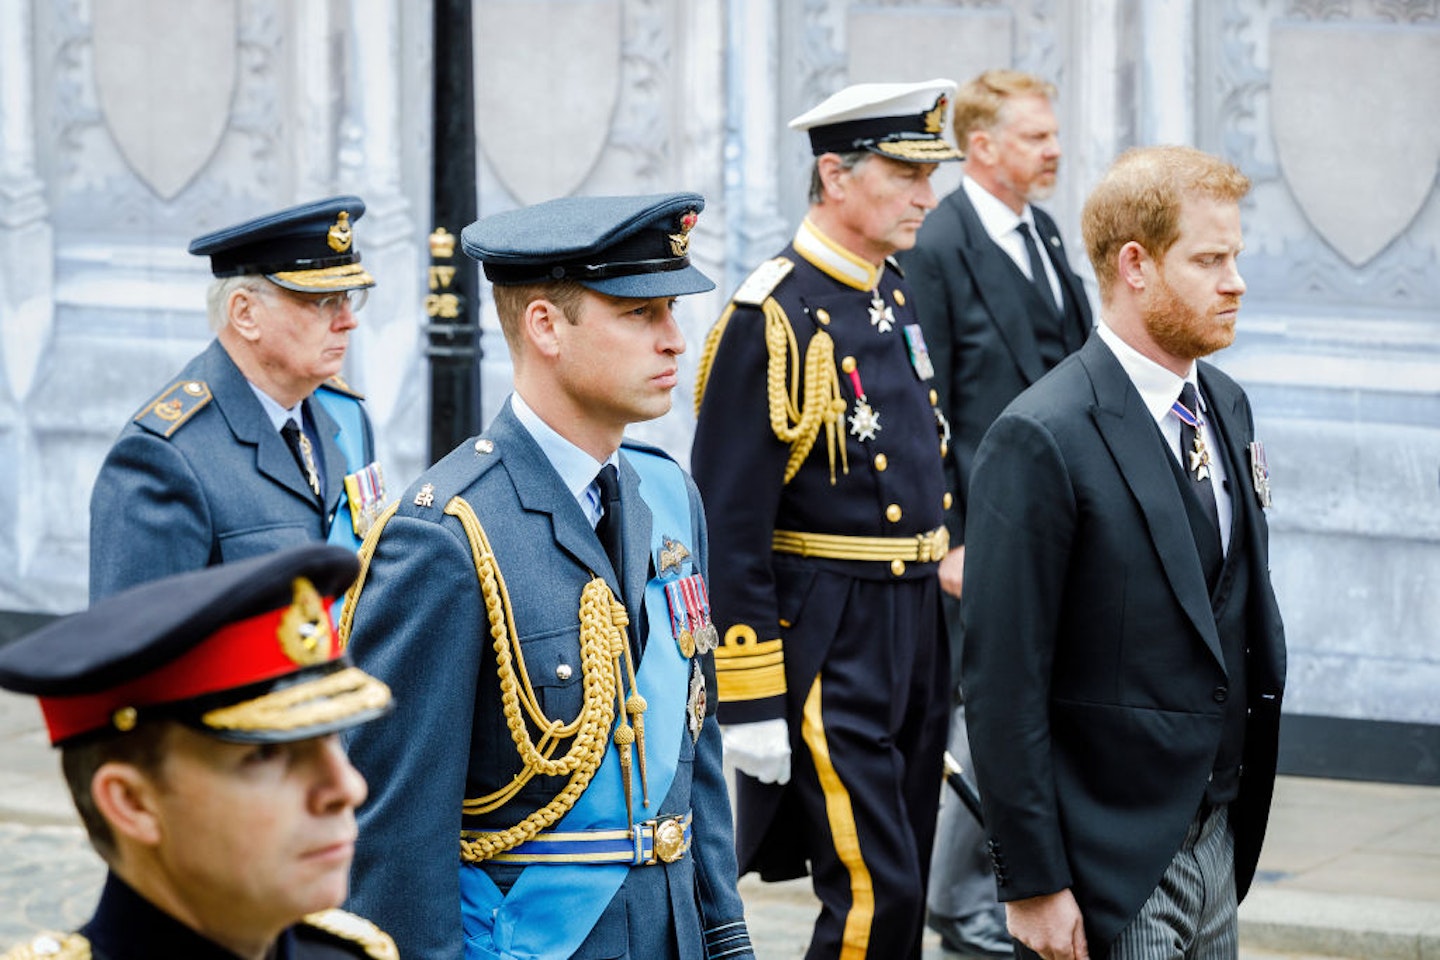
(867, 770)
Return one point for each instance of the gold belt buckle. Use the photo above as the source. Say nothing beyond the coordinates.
(669, 839)
(933, 545)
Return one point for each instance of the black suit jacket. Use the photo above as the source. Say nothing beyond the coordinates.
(978, 310)
(1094, 680)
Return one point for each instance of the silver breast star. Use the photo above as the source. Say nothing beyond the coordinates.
(864, 422)
(881, 316)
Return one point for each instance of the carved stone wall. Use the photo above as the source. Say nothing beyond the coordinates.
(128, 127)
(1326, 105)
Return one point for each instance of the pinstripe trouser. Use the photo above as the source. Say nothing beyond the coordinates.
(1191, 914)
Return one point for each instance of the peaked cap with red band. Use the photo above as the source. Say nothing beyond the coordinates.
(244, 651)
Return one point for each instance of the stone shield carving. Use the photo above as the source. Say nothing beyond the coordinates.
(547, 79)
(1353, 114)
(165, 77)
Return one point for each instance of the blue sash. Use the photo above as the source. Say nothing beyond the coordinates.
(552, 908)
(351, 440)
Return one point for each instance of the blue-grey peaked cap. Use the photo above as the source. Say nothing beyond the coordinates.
(309, 248)
(621, 246)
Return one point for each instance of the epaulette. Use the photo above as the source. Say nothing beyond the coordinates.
(894, 264)
(357, 931)
(51, 946)
(337, 384)
(762, 281)
(458, 469)
(170, 410)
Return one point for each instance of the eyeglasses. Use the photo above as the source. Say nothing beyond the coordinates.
(329, 306)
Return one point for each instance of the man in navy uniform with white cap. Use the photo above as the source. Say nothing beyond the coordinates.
(197, 718)
(257, 443)
(551, 784)
(819, 444)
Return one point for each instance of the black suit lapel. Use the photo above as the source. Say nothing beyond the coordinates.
(1001, 286)
(1077, 307)
(1130, 433)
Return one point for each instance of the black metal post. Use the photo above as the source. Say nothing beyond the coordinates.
(453, 295)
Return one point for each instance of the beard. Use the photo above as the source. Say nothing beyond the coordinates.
(1183, 331)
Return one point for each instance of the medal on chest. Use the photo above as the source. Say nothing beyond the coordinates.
(882, 317)
(1198, 454)
(865, 421)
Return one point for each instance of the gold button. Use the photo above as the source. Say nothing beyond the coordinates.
(563, 671)
(934, 398)
(125, 719)
(848, 364)
(881, 462)
(892, 513)
(897, 567)
(900, 296)
(947, 500)
(822, 315)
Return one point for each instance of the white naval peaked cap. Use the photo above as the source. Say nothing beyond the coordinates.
(902, 121)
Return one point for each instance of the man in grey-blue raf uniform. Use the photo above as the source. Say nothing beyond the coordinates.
(551, 783)
(257, 444)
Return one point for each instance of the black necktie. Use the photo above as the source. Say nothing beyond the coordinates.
(1195, 459)
(303, 452)
(1038, 276)
(610, 525)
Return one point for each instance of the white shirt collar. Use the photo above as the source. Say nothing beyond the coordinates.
(278, 414)
(1158, 387)
(997, 219)
(577, 469)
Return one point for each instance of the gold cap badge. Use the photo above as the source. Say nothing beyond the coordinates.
(339, 235)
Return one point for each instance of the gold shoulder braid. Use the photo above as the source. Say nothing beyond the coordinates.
(376, 943)
(51, 946)
(605, 666)
(796, 417)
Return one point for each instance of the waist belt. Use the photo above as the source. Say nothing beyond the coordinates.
(928, 547)
(662, 840)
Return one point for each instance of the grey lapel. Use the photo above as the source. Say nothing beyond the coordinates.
(638, 527)
(1129, 431)
(997, 285)
(248, 422)
(540, 490)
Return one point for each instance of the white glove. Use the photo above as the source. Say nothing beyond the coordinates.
(761, 749)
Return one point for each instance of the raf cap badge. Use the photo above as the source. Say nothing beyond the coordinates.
(680, 242)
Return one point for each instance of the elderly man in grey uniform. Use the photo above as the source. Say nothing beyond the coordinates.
(257, 444)
(551, 783)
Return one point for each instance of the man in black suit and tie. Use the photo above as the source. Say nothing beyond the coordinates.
(1124, 656)
(999, 309)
